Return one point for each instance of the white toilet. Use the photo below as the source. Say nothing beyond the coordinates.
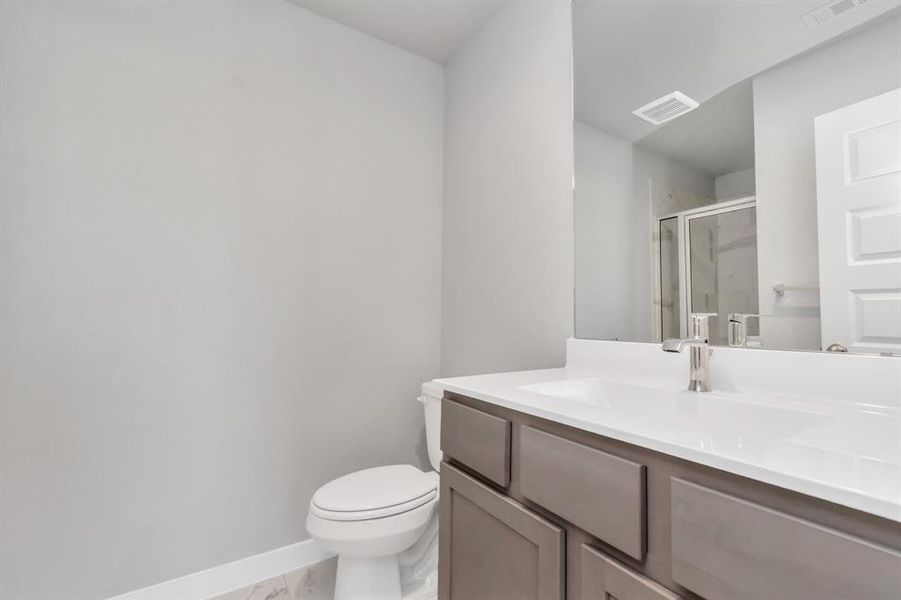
(383, 523)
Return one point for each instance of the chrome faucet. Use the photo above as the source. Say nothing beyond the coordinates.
(699, 343)
(738, 329)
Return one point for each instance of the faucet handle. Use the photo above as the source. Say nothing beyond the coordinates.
(741, 317)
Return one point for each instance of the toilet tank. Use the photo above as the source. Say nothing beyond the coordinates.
(431, 402)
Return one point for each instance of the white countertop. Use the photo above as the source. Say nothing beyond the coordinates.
(844, 452)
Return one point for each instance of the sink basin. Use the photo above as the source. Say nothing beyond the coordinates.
(712, 421)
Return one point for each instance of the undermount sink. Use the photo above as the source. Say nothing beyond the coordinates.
(710, 420)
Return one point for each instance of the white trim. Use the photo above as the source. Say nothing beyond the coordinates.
(234, 575)
(725, 204)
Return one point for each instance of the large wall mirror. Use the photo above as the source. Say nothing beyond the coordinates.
(744, 159)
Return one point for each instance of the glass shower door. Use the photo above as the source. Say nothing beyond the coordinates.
(722, 266)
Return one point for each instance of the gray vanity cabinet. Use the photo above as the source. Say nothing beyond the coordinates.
(492, 547)
(531, 508)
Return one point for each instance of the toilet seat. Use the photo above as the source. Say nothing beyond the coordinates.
(365, 529)
(374, 493)
(377, 513)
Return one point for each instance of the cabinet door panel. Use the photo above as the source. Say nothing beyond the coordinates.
(604, 578)
(493, 548)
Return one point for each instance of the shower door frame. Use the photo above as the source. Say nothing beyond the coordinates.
(684, 219)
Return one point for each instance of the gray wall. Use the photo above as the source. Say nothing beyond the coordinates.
(786, 100)
(613, 225)
(737, 184)
(220, 280)
(507, 273)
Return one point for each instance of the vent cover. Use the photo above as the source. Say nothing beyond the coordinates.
(665, 108)
(822, 15)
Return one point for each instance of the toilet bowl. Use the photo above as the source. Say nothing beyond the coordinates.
(382, 524)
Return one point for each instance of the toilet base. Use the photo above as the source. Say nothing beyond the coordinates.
(368, 578)
(419, 565)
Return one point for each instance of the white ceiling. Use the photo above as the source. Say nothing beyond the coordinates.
(629, 53)
(716, 138)
(430, 28)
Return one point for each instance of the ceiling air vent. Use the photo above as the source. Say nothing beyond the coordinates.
(822, 15)
(665, 108)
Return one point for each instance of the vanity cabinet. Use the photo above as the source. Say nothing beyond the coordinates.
(531, 508)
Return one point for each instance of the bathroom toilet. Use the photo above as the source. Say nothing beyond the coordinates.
(383, 523)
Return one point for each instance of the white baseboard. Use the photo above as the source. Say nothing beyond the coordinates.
(231, 576)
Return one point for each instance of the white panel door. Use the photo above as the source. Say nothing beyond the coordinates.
(858, 162)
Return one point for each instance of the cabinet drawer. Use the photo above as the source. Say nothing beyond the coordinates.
(478, 440)
(596, 491)
(604, 578)
(728, 548)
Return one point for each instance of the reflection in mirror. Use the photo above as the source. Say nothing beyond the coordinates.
(744, 159)
(722, 263)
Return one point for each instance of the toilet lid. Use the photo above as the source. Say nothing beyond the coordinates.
(377, 492)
